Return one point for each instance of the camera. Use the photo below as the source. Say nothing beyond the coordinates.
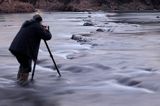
(45, 27)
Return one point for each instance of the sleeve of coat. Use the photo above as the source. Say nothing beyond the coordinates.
(44, 34)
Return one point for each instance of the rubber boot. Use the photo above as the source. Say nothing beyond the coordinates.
(18, 75)
(23, 79)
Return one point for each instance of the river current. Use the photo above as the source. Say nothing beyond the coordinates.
(119, 66)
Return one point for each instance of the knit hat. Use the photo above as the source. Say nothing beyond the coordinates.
(37, 18)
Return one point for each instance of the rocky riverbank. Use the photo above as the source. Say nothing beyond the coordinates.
(105, 5)
(16, 7)
(80, 5)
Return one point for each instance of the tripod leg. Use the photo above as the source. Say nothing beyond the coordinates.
(34, 67)
(52, 58)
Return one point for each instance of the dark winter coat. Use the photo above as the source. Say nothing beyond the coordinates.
(27, 41)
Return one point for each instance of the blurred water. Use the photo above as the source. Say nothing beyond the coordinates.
(118, 67)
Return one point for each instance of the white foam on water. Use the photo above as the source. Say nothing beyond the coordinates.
(38, 67)
(6, 82)
(113, 86)
(133, 73)
(124, 27)
(70, 19)
(99, 14)
(66, 50)
(116, 86)
(43, 52)
(64, 54)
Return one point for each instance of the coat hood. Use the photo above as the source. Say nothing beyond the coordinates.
(28, 23)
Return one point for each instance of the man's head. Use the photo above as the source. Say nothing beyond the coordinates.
(37, 18)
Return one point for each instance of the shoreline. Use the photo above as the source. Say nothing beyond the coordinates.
(109, 11)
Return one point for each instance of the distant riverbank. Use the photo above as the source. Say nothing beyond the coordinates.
(21, 7)
(16, 7)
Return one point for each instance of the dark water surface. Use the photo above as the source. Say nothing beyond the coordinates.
(117, 67)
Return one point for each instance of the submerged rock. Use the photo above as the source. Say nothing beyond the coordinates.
(89, 16)
(86, 35)
(88, 24)
(100, 30)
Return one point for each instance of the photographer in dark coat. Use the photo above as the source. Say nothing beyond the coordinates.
(26, 44)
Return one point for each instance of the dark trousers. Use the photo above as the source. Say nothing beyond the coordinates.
(24, 61)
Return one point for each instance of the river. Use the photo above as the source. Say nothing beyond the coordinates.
(119, 66)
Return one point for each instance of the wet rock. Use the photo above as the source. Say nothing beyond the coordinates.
(128, 81)
(53, 66)
(109, 30)
(149, 69)
(7, 25)
(79, 38)
(65, 92)
(133, 83)
(90, 12)
(89, 16)
(87, 20)
(94, 44)
(86, 35)
(78, 69)
(88, 24)
(76, 37)
(75, 56)
(106, 23)
(100, 30)
(100, 66)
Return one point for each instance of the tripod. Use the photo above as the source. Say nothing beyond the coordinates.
(51, 58)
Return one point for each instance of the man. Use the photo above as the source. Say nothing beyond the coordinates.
(26, 44)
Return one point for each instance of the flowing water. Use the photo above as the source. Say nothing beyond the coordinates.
(117, 67)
